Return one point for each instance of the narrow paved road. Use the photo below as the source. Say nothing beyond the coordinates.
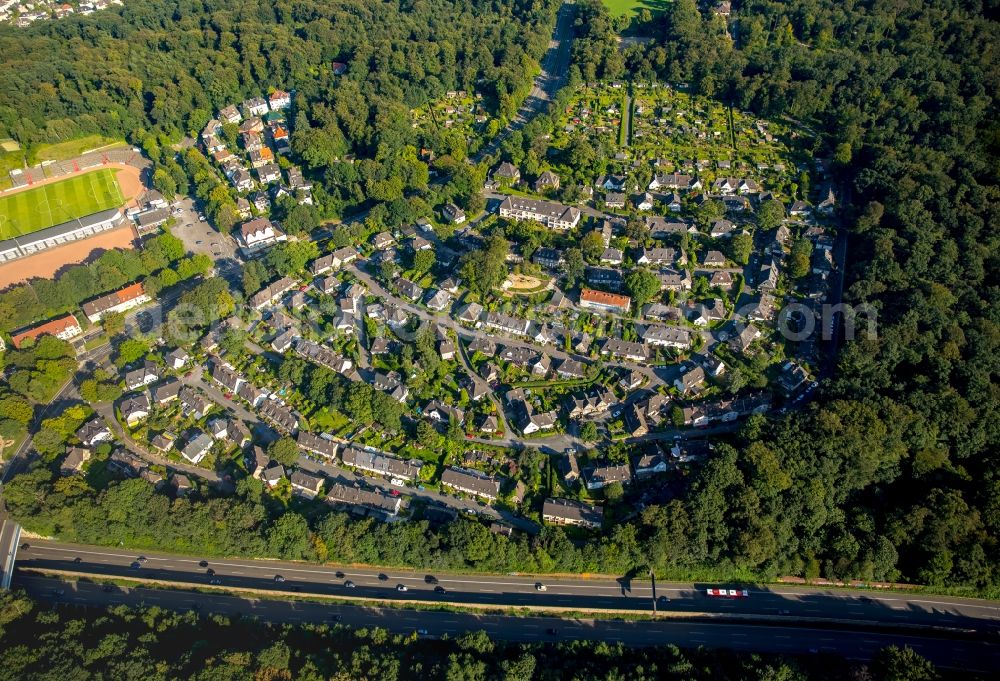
(551, 77)
(962, 654)
(583, 592)
(949, 653)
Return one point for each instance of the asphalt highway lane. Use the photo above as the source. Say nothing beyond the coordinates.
(585, 593)
(971, 655)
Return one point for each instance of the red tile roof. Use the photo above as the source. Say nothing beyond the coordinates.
(52, 327)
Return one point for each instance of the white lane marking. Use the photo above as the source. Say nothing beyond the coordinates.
(616, 587)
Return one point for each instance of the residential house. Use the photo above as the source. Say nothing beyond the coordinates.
(470, 313)
(551, 214)
(134, 408)
(614, 200)
(650, 464)
(148, 373)
(75, 458)
(351, 496)
(612, 256)
(273, 474)
(197, 448)
(122, 300)
(255, 106)
(569, 467)
(747, 335)
(507, 173)
(306, 484)
(167, 391)
(643, 201)
(453, 214)
(439, 301)
(602, 301)
(690, 380)
(279, 416)
(661, 256)
(637, 352)
(181, 484)
(546, 181)
(570, 512)
(471, 482)
(231, 114)
(257, 462)
(258, 234)
(674, 280)
(601, 476)
(177, 358)
(721, 279)
(571, 369)
(550, 258)
(663, 313)
(666, 336)
(279, 99)
(722, 229)
(163, 441)
(193, 404)
(714, 259)
(63, 328)
(604, 277)
(380, 463)
(507, 324)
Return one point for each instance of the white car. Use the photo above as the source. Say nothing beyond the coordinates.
(396, 481)
(540, 587)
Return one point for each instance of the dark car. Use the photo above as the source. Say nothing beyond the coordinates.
(340, 575)
(25, 546)
(431, 579)
(135, 565)
(440, 590)
(279, 579)
(78, 559)
(209, 572)
(142, 559)
(349, 584)
(382, 577)
(203, 563)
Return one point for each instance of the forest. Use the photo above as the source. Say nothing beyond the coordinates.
(38, 641)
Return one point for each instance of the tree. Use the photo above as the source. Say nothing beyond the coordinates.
(423, 261)
(573, 266)
(592, 246)
(588, 431)
(643, 285)
(614, 492)
(284, 450)
(290, 257)
(485, 269)
(254, 276)
(113, 322)
(770, 214)
(798, 262)
(740, 248)
(164, 183)
(131, 350)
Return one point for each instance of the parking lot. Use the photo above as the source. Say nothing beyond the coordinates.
(200, 237)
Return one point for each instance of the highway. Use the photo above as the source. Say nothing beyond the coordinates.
(957, 653)
(573, 592)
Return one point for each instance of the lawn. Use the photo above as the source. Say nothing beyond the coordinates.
(632, 7)
(51, 204)
(62, 151)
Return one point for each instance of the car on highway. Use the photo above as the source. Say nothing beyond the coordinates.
(401, 587)
(135, 565)
(339, 574)
(728, 593)
(279, 579)
(430, 579)
(142, 559)
(440, 590)
(664, 599)
(540, 587)
(210, 572)
(203, 563)
(422, 632)
(349, 584)
(78, 559)
(25, 546)
(382, 577)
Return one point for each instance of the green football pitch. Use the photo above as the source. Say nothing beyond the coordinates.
(51, 204)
